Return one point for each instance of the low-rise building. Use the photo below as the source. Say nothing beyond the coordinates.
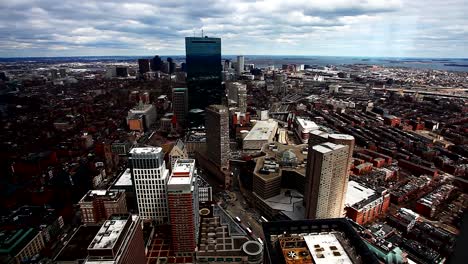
(142, 116)
(178, 151)
(20, 245)
(315, 241)
(427, 205)
(303, 127)
(98, 205)
(364, 204)
(118, 241)
(263, 132)
(279, 160)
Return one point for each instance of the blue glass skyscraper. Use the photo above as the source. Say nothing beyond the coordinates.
(203, 64)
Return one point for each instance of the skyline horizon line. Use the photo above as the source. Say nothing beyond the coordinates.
(183, 55)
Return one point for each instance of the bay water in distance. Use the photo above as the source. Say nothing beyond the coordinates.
(444, 64)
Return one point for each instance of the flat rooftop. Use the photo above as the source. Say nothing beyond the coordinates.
(141, 108)
(11, 241)
(77, 247)
(320, 133)
(103, 194)
(146, 150)
(109, 233)
(326, 249)
(357, 193)
(182, 172)
(307, 124)
(315, 241)
(341, 136)
(262, 130)
(291, 206)
(125, 178)
(278, 153)
(327, 147)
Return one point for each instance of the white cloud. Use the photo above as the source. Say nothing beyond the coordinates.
(302, 27)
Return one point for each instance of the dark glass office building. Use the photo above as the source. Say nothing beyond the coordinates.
(203, 64)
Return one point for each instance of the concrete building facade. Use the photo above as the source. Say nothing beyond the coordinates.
(217, 135)
(150, 177)
(326, 177)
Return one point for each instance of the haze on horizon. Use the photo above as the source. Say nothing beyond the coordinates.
(389, 28)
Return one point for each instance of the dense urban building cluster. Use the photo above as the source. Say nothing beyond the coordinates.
(215, 159)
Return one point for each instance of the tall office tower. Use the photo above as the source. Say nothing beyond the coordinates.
(54, 74)
(180, 105)
(217, 135)
(182, 196)
(3, 76)
(240, 65)
(242, 99)
(279, 85)
(121, 71)
(203, 58)
(171, 65)
(150, 177)
(143, 66)
(63, 72)
(348, 141)
(227, 65)
(118, 241)
(233, 91)
(156, 63)
(326, 175)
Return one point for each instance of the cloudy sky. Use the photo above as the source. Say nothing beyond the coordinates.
(411, 28)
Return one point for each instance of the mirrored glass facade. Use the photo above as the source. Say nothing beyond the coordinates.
(203, 62)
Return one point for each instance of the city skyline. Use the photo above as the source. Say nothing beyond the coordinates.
(336, 28)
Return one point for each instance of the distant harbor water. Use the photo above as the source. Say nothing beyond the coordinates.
(446, 64)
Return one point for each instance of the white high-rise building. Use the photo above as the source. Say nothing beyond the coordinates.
(240, 65)
(237, 92)
(150, 177)
(326, 176)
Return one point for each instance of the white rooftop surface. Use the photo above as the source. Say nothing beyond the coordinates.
(185, 167)
(99, 192)
(341, 136)
(327, 147)
(100, 262)
(319, 132)
(125, 179)
(179, 180)
(307, 125)
(262, 130)
(108, 234)
(356, 193)
(326, 241)
(148, 150)
(142, 110)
